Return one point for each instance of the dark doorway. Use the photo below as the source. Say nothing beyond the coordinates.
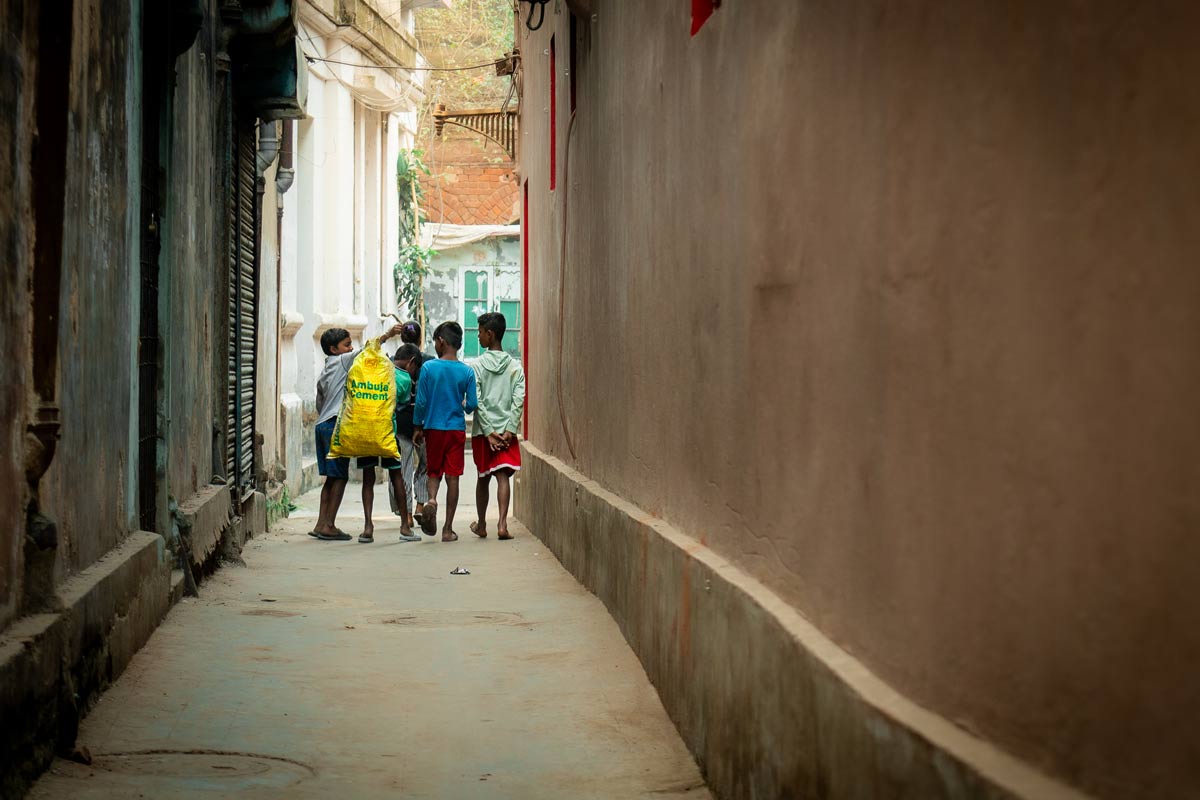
(156, 70)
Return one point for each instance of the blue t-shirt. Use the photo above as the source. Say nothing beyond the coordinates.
(442, 387)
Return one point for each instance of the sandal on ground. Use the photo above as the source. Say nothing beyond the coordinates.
(365, 538)
(504, 535)
(314, 534)
(450, 537)
(479, 530)
(409, 537)
(336, 536)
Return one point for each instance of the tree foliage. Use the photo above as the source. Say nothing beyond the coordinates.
(413, 263)
(470, 32)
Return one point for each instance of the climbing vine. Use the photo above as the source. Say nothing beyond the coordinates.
(413, 264)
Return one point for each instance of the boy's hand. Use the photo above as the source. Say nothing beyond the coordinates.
(496, 442)
(509, 437)
(390, 332)
(418, 436)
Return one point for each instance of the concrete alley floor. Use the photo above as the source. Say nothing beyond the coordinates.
(336, 669)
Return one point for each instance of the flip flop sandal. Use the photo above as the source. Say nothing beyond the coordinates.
(475, 529)
(408, 537)
(340, 536)
(504, 536)
(364, 539)
(429, 519)
(453, 537)
(314, 534)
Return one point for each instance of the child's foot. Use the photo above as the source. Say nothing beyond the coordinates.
(366, 538)
(331, 534)
(479, 528)
(408, 521)
(449, 536)
(503, 533)
(428, 518)
(406, 535)
(368, 530)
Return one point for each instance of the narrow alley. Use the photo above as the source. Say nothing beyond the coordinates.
(360, 671)
(842, 358)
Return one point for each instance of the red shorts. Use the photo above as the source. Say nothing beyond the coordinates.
(444, 452)
(488, 461)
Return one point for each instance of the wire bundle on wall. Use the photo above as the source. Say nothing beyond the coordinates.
(539, 6)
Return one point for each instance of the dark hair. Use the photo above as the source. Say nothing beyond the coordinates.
(494, 321)
(410, 332)
(451, 333)
(331, 338)
(406, 352)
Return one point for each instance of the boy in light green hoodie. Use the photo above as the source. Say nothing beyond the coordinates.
(501, 387)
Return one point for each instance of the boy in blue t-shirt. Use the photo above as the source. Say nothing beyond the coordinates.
(445, 394)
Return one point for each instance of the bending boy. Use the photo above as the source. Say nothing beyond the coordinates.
(501, 382)
(410, 359)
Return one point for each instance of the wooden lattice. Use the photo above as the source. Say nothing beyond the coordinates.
(497, 124)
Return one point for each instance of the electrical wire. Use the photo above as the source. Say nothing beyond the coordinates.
(541, 5)
(400, 104)
(410, 69)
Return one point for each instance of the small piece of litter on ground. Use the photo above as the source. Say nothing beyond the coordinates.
(460, 571)
(268, 600)
(349, 627)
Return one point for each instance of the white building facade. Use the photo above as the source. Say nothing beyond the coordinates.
(330, 229)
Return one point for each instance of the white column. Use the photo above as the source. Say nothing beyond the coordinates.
(336, 278)
(310, 190)
(390, 227)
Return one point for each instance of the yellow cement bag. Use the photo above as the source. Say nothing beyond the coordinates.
(365, 425)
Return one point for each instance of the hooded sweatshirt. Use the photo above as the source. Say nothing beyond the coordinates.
(501, 385)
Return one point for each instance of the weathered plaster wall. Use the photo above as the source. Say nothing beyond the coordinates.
(17, 86)
(895, 308)
(195, 267)
(85, 488)
(444, 286)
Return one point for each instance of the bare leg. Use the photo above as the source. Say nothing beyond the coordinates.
(429, 518)
(482, 486)
(503, 493)
(401, 493)
(368, 498)
(323, 513)
(336, 488)
(448, 534)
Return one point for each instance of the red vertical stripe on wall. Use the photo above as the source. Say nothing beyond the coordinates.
(525, 298)
(553, 118)
(701, 11)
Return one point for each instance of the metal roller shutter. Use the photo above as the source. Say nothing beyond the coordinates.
(243, 308)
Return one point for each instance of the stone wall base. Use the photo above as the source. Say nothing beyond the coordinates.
(54, 666)
(768, 705)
